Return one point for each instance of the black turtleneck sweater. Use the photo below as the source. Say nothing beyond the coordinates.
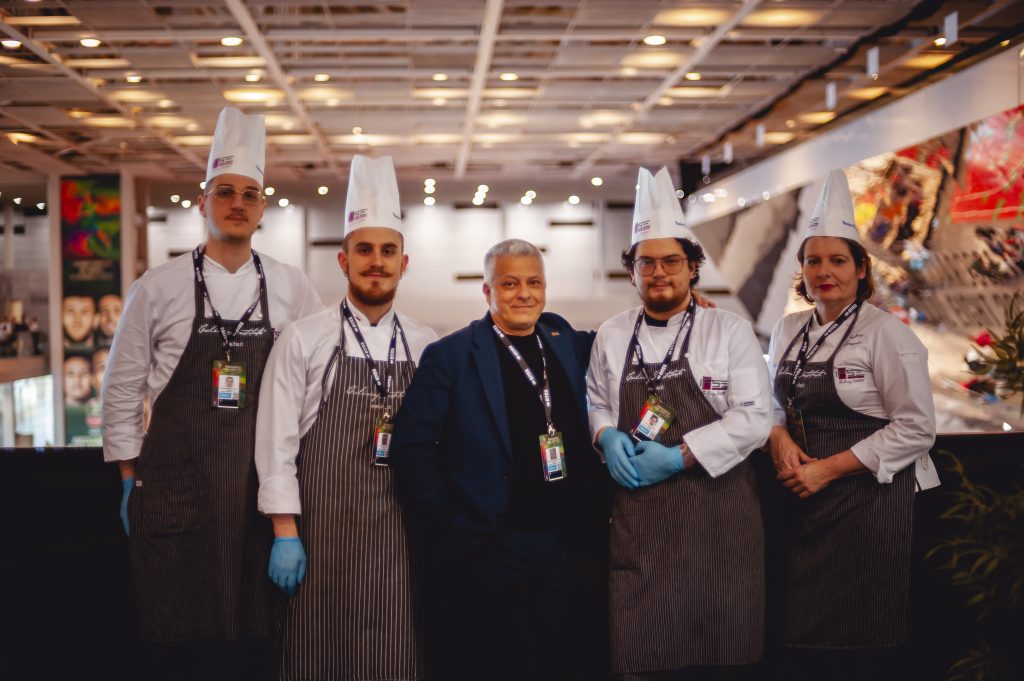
(535, 504)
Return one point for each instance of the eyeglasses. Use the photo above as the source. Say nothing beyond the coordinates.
(226, 193)
(672, 264)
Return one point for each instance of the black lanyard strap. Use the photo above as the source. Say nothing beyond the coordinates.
(543, 389)
(198, 254)
(634, 346)
(804, 355)
(383, 386)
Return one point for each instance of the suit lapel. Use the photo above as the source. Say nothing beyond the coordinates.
(561, 346)
(485, 356)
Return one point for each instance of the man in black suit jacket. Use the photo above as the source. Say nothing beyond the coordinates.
(510, 537)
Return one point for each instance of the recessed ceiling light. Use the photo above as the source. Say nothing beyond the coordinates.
(1002, 44)
(692, 75)
(283, 202)
(428, 201)
(940, 41)
(596, 181)
(231, 41)
(321, 77)
(357, 130)
(253, 77)
(478, 200)
(41, 205)
(15, 44)
(429, 189)
(655, 40)
(202, 185)
(333, 101)
(429, 181)
(574, 200)
(483, 188)
(269, 191)
(165, 103)
(509, 76)
(440, 76)
(17, 200)
(526, 200)
(133, 78)
(89, 42)
(530, 193)
(186, 204)
(322, 190)
(175, 198)
(790, 123)
(439, 101)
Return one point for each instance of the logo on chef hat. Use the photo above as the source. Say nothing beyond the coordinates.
(223, 162)
(815, 223)
(356, 215)
(641, 227)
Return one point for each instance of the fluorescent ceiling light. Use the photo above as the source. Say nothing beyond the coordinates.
(231, 41)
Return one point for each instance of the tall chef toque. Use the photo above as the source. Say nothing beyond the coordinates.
(833, 216)
(239, 146)
(372, 199)
(657, 213)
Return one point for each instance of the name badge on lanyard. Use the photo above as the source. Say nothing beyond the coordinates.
(552, 448)
(228, 387)
(655, 415)
(383, 428)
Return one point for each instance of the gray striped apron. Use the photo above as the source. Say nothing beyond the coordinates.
(687, 554)
(198, 546)
(848, 553)
(352, 618)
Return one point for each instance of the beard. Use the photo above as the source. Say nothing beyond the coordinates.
(371, 296)
(666, 304)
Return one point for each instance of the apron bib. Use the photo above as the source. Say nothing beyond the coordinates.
(352, 618)
(687, 554)
(848, 546)
(199, 548)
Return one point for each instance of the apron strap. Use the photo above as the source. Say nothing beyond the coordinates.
(839, 345)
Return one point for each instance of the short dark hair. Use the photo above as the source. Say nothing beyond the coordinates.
(865, 286)
(694, 253)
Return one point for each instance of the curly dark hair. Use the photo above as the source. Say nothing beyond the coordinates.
(694, 253)
(865, 286)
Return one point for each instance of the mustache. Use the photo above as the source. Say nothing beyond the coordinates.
(376, 270)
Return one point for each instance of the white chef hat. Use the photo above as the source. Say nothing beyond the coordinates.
(372, 199)
(833, 216)
(239, 146)
(657, 213)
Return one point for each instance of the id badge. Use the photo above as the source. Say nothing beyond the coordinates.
(795, 426)
(552, 455)
(228, 385)
(655, 418)
(382, 442)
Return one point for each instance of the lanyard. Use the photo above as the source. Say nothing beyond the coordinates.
(634, 344)
(197, 265)
(543, 390)
(805, 355)
(383, 389)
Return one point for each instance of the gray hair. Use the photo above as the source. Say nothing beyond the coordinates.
(513, 247)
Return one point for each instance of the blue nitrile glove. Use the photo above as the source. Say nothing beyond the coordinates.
(618, 448)
(655, 462)
(126, 491)
(287, 564)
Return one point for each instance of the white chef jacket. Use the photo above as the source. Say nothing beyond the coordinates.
(723, 348)
(156, 326)
(291, 390)
(881, 370)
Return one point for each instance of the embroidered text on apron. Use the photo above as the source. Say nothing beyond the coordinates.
(199, 547)
(352, 618)
(687, 554)
(848, 558)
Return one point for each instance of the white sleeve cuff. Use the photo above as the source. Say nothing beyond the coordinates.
(279, 494)
(120, 451)
(867, 456)
(712, 448)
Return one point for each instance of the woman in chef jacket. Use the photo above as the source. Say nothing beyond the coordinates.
(854, 421)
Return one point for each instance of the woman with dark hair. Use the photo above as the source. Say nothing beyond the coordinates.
(854, 421)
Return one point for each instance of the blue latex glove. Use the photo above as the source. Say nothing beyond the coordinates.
(618, 448)
(287, 564)
(126, 490)
(655, 462)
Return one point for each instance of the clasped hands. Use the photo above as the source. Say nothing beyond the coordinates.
(801, 474)
(638, 465)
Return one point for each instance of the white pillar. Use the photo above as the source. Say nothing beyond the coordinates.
(55, 286)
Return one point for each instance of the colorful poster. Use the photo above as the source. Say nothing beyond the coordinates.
(90, 218)
(992, 188)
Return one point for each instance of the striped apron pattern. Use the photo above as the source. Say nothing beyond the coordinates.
(352, 618)
(848, 553)
(199, 548)
(687, 554)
